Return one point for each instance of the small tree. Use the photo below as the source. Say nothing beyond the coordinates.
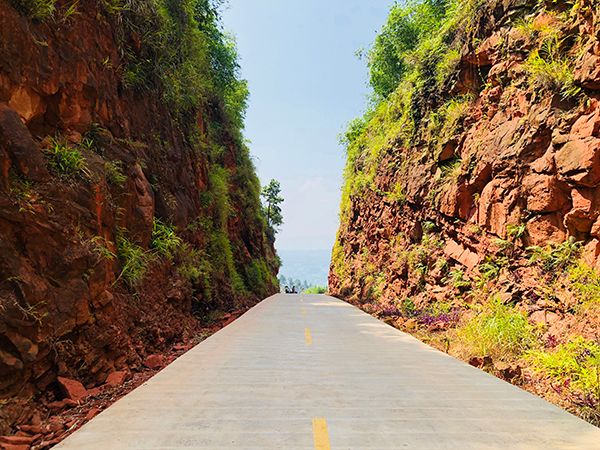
(272, 198)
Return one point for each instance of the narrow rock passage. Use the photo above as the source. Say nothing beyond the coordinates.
(312, 372)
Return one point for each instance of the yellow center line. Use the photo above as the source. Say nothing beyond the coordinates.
(320, 433)
(304, 311)
(307, 336)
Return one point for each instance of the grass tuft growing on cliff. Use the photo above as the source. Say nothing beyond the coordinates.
(549, 69)
(64, 159)
(555, 257)
(36, 9)
(133, 258)
(165, 241)
(114, 173)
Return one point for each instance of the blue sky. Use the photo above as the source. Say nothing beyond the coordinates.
(305, 85)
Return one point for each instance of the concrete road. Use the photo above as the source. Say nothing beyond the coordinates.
(312, 372)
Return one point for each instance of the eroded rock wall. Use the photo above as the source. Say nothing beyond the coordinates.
(520, 168)
(64, 310)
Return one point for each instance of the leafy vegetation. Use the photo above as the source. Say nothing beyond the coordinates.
(165, 241)
(64, 159)
(497, 330)
(315, 290)
(407, 26)
(574, 367)
(133, 258)
(550, 69)
(114, 173)
(272, 211)
(555, 257)
(184, 53)
(36, 9)
(576, 362)
(412, 58)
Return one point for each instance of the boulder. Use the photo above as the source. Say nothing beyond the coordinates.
(544, 193)
(116, 378)
(154, 362)
(544, 229)
(579, 162)
(24, 152)
(587, 72)
(464, 256)
(586, 126)
(72, 389)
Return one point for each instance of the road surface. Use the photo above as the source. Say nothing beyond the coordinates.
(312, 372)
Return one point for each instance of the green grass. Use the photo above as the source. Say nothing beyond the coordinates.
(555, 257)
(497, 330)
(165, 241)
(114, 173)
(585, 282)
(577, 362)
(36, 9)
(549, 69)
(65, 160)
(315, 290)
(134, 260)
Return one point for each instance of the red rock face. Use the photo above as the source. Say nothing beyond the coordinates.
(72, 389)
(529, 160)
(63, 311)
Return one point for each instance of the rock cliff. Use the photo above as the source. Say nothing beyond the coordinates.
(129, 206)
(472, 194)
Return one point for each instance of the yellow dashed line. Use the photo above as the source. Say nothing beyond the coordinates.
(304, 311)
(307, 336)
(320, 433)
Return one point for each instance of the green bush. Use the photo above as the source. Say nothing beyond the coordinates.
(498, 330)
(184, 53)
(114, 173)
(64, 159)
(555, 257)
(133, 258)
(258, 275)
(549, 69)
(36, 9)
(576, 363)
(585, 282)
(165, 241)
(315, 290)
(407, 25)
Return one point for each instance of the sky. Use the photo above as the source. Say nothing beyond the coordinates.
(306, 83)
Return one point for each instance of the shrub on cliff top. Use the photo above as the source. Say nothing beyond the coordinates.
(184, 53)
